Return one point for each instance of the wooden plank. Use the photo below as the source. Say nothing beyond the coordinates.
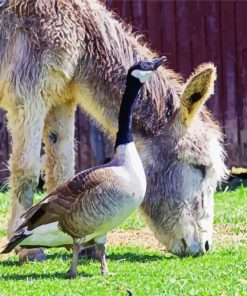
(153, 23)
(4, 148)
(228, 54)
(78, 164)
(184, 50)
(197, 32)
(212, 35)
(84, 157)
(138, 15)
(168, 33)
(241, 67)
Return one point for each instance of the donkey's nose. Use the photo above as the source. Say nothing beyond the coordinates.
(206, 246)
(194, 248)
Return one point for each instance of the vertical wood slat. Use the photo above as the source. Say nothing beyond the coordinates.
(228, 65)
(4, 148)
(85, 157)
(197, 32)
(153, 23)
(184, 43)
(168, 34)
(213, 52)
(138, 15)
(241, 98)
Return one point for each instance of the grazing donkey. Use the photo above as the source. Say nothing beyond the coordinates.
(55, 54)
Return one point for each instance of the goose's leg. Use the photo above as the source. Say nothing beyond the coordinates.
(100, 247)
(73, 267)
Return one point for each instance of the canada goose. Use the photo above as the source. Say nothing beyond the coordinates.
(97, 200)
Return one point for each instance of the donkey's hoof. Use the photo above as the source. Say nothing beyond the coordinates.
(71, 274)
(37, 256)
(89, 253)
(31, 255)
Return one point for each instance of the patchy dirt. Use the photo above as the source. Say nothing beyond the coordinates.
(229, 234)
(134, 237)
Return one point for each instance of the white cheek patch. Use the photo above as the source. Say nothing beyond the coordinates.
(142, 75)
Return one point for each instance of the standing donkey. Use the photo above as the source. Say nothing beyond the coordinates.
(55, 54)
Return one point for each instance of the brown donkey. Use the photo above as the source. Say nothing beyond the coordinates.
(55, 54)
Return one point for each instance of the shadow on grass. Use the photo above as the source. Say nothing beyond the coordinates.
(128, 256)
(133, 257)
(35, 276)
(114, 256)
(9, 263)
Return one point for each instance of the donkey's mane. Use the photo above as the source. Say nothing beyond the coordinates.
(113, 43)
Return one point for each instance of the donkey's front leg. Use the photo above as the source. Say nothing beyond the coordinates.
(59, 149)
(59, 145)
(25, 123)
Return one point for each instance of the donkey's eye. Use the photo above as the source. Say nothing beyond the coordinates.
(201, 168)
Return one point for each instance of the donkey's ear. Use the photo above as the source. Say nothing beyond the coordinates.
(196, 91)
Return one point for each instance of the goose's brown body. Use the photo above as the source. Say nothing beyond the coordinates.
(95, 201)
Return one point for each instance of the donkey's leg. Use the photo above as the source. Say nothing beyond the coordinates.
(25, 123)
(59, 145)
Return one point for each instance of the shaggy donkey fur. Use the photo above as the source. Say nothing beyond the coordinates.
(55, 54)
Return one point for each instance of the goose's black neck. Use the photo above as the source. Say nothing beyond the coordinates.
(124, 134)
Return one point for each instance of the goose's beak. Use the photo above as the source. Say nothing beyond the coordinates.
(158, 62)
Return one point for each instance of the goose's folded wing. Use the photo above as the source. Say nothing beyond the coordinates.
(64, 198)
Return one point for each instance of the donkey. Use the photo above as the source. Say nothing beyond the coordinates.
(56, 54)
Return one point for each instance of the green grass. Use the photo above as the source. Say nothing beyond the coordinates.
(139, 271)
(223, 272)
(231, 207)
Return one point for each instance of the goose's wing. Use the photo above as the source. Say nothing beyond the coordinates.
(65, 197)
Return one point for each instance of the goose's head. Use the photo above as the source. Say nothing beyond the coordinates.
(144, 69)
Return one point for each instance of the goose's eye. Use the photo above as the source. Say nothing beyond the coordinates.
(201, 168)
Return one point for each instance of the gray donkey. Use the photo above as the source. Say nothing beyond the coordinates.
(56, 54)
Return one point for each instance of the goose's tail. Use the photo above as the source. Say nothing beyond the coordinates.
(15, 240)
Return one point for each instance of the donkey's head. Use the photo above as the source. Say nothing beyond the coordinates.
(180, 208)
